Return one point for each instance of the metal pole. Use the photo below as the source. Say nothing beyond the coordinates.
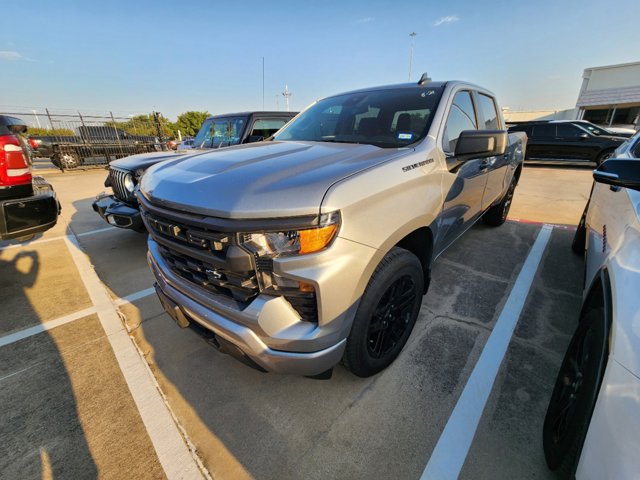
(262, 83)
(113, 121)
(37, 119)
(413, 36)
(49, 117)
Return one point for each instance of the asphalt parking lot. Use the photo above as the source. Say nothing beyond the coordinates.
(70, 411)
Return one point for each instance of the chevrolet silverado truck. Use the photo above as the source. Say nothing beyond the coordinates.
(317, 246)
(120, 209)
(28, 205)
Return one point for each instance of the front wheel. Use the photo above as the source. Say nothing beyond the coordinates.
(575, 393)
(497, 215)
(386, 314)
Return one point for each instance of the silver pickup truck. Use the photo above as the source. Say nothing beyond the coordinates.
(317, 246)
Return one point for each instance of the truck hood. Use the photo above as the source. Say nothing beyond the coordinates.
(145, 160)
(263, 180)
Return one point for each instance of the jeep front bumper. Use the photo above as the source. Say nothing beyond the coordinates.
(117, 213)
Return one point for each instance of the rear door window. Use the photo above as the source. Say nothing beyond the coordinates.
(461, 117)
(544, 131)
(488, 113)
(568, 131)
(265, 127)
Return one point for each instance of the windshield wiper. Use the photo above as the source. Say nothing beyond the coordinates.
(333, 140)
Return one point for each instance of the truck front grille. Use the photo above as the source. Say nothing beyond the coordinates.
(214, 261)
(242, 287)
(117, 176)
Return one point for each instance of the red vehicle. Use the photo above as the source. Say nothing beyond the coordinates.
(28, 204)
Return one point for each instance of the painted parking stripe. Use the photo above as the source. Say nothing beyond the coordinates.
(135, 296)
(43, 327)
(72, 317)
(452, 448)
(53, 239)
(177, 460)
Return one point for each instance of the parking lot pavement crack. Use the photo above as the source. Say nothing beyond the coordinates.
(134, 328)
(62, 352)
(322, 434)
(479, 273)
(464, 321)
(536, 346)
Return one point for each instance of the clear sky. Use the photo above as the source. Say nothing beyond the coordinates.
(138, 55)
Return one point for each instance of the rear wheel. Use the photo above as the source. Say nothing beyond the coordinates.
(604, 156)
(386, 314)
(497, 214)
(65, 161)
(575, 393)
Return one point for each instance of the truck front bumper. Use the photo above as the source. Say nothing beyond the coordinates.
(234, 335)
(117, 213)
(23, 217)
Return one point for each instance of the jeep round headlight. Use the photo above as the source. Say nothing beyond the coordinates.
(294, 242)
(129, 184)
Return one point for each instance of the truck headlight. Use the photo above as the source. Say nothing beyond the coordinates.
(294, 242)
(129, 183)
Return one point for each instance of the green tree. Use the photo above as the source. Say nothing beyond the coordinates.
(50, 131)
(189, 123)
(144, 125)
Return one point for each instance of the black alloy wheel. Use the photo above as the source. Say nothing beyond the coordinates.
(386, 314)
(391, 317)
(497, 215)
(575, 393)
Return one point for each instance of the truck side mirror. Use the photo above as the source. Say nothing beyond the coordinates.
(480, 144)
(619, 172)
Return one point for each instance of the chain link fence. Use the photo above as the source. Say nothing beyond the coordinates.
(76, 140)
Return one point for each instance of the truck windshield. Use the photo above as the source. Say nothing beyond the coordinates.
(389, 118)
(220, 132)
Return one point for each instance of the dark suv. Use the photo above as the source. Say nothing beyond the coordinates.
(28, 204)
(121, 208)
(566, 142)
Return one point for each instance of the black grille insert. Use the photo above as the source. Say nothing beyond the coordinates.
(117, 176)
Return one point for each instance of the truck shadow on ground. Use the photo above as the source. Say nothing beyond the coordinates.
(41, 434)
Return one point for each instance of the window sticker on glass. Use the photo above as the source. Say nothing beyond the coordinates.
(405, 136)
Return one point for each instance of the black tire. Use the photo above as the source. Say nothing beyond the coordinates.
(497, 215)
(381, 327)
(575, 393)
(579, 242)
(66, 161)
(604, 156)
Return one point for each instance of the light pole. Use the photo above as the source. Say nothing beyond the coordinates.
(286, 94)
(413, 36)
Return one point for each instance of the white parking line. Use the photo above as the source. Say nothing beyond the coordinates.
(177, 460)
(43, 327)
(53, 239)
(72, 317)
(135, 296)
(452, 448)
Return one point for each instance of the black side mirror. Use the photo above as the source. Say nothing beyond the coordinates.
(620, 172)
(480, 144)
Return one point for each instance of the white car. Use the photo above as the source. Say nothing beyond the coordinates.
(592, 426)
